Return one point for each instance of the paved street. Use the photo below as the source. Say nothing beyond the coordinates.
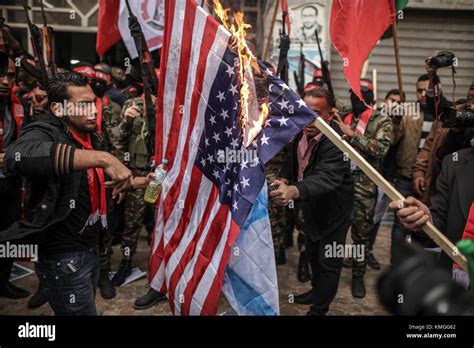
(344, 304)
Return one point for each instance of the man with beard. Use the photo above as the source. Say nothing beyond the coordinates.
(66, 169)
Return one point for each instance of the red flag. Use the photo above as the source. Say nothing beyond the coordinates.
(107, 28)
(355, 28)
(284, 8)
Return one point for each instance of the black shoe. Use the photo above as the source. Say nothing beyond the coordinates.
(347, 263)
(372, 262)
(39, 298)
(306, 298)
(125, 269)
(358, 287)
(148, 300)
(107, 290)
(303, 268)
(12, 292)
(280, 258)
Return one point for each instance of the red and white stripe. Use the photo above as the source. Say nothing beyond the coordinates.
(194, 232)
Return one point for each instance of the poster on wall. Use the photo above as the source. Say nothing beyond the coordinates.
(306, 18)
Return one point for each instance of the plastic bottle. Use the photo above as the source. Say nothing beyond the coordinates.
(154, 187)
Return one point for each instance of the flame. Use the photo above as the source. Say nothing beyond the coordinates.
(246, 58)
(263, 113)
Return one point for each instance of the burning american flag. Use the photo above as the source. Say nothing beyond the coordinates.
(206, 105)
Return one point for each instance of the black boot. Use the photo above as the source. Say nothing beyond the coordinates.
(125, 269)
(303, 268)
(372, 262)
(280, 258)
(39, 298)
(358, 287)
(305, 298)
(107, 290)
(148, 300)
(12, 292)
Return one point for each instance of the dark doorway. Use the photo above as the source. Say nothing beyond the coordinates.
(75, 46)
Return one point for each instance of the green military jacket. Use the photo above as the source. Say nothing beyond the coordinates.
(376, 141)
(133, 137)
(111, 117)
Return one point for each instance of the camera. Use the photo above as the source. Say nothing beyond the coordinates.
(454, 118)
(415, 285)
(442, 59)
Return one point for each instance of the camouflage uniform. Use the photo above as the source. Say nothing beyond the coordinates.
(111, 116)
(134, 138)
(373, 146)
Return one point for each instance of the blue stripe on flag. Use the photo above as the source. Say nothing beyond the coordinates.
(251, 300)
(259, 211)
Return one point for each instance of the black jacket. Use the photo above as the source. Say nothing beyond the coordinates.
(44, 154)
(454, 195)
(327, 189)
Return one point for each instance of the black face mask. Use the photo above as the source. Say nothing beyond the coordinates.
(358, 107)
(99, 87)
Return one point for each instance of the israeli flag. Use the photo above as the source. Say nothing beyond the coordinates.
(250, 281)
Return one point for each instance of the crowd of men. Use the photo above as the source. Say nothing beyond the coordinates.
(83, 173)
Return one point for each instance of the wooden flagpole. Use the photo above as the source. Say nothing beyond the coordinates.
(272, 27)
(397, 59)
(439, 238)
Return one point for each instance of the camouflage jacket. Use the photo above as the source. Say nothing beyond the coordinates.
(133, 137)
(111, 120)
(376, 141)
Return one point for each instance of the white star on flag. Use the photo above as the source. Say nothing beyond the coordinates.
(234, 143)
(228, 132)
(265, 139)
(283, 104)
(225, 114)
(245, 182)
(233, 90)
(283, 121)
(230, 70)
(220, 96)
(212, 119)
(216, 137)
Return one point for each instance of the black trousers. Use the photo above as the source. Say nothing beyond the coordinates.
(326, 268)
(10, 208)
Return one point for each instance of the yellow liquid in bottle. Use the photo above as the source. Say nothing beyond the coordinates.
(152, 192)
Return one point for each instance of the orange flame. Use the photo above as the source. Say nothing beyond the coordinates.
(246, 58)
(263, 113)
